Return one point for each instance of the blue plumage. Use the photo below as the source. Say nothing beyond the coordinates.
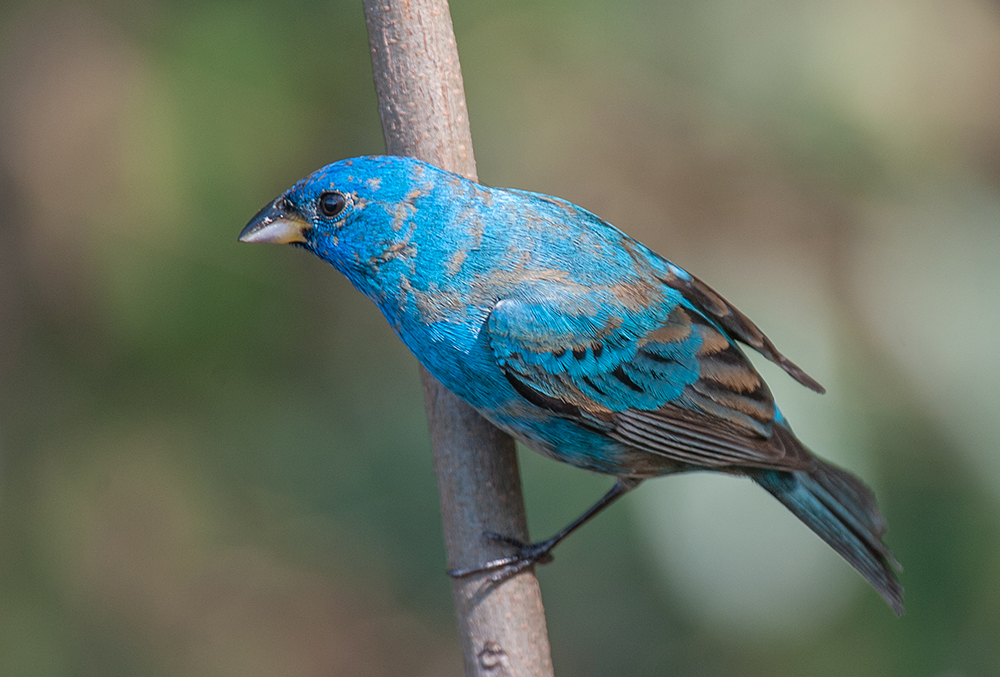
(579, 341)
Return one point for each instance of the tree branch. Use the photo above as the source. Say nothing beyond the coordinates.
(422, 105)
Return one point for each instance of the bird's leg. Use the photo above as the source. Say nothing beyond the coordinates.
(541, 553)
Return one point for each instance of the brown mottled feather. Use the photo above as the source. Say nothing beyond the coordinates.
(733, 376)
(757, 405)
(672, 332)
(712, 341)
(738, 325)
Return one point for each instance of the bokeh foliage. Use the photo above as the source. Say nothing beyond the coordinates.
(214, 457)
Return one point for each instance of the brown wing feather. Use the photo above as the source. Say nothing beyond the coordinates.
(738, 325)
(701, 440)
(725, 418)
(729, 387)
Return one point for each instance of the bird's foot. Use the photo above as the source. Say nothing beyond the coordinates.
(525, 555)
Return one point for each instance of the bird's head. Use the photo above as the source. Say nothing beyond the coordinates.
(350, 212)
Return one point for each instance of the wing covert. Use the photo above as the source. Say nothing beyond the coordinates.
(732, 321)
(667, 381)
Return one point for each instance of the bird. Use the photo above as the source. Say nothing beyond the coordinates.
(579, 341)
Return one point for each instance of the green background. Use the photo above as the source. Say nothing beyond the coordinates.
(214, 458)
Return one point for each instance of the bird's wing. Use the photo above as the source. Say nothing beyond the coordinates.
(663, 379)
(696, 293)
(735, 323)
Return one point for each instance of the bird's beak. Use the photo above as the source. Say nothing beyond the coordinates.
(275, 224)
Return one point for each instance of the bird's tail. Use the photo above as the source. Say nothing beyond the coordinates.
(842, 511)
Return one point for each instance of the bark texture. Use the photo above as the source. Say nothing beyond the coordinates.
(422, 105)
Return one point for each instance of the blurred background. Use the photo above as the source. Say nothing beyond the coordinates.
(214, 457)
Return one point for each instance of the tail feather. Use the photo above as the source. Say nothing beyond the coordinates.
(843, 512)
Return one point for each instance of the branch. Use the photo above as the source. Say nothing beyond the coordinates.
(422, 105)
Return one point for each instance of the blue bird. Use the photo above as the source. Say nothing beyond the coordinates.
(574, 338)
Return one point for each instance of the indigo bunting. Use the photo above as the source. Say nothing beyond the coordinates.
(574, 338)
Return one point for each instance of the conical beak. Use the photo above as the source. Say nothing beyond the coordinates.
(276, 224)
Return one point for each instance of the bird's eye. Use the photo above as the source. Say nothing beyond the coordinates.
(331, 203)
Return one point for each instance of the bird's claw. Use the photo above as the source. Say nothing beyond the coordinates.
(526, 555)
(507, 540)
